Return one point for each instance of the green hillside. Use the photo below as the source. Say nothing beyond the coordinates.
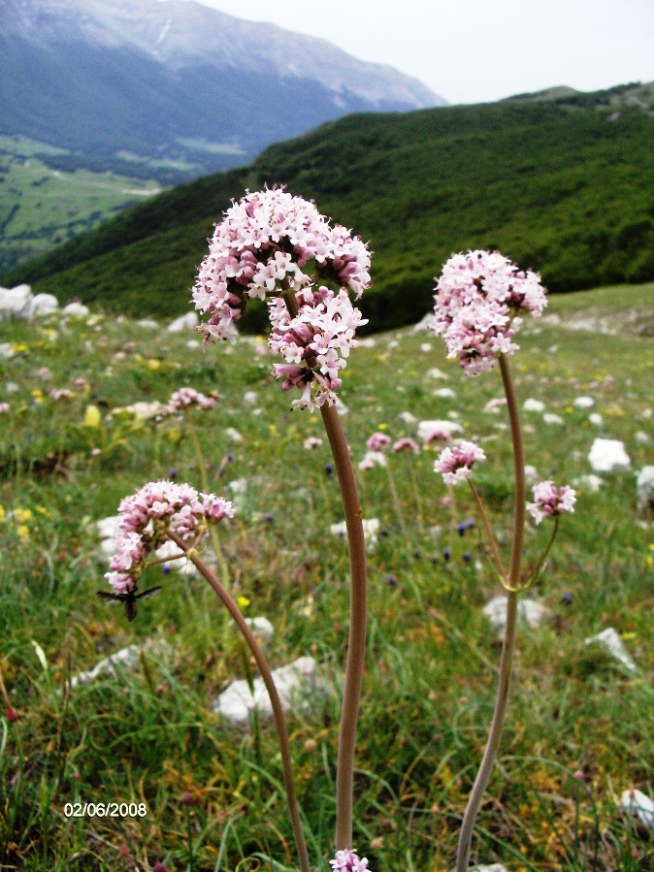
(564, 186)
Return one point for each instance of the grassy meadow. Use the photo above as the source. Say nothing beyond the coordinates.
(580, 729)
(43, 206)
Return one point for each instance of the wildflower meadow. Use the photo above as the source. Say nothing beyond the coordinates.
(443, 534)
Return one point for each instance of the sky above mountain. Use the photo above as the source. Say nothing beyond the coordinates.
(472, 51)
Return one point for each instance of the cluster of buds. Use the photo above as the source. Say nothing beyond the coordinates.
(479, 298)
(149, 515)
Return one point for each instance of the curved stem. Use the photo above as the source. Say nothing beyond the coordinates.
(494, 736)
(533, 573)
(508, 646)
(489, 532)
(357, 632)
(278, 711)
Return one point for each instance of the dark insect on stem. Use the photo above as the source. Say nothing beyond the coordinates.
(128, 599)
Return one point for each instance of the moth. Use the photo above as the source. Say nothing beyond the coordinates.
(128, 599)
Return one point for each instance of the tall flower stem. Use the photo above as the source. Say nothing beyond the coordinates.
(357, 631)
(508, 646)
(358, 613)
(266, 675)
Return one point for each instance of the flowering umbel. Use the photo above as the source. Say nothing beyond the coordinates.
(149, 515)
(455, 464)
(185, 398)
(260, 251)
(479, 299)
(550, 501)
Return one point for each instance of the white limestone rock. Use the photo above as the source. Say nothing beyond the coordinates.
(185, 322)
(15, 302)
(611, 642)
(127, 658)
(645, 488)
(426, 428)
(591, 483)
(370, 532)
(75, 310)
(261, 627)
(43, 304)
(298, 686)
(530, 612)
(553, 418)
(608, 455)
(639, 805)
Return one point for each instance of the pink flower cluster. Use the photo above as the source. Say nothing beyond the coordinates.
(455, 464)
(406, 444)
(348, 861)
(550, 501)
(149, 515)
(479, 297)
(315, 343)
(261, 246)
(60, 394)
(185, 397)
(378, 442)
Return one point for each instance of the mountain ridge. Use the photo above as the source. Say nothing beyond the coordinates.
(562, 186)
(231, 81)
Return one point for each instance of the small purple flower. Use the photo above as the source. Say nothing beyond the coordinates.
(348, 861)
(551, 501)
(455, 464)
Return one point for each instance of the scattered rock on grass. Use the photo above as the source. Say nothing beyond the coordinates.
(639, 805)
(608, 455)
(128, 658)
(530, 612)
(185, 322)
(611, 642)
(298, 685)
(645, 488)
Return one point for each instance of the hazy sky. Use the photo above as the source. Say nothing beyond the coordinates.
(470, 51)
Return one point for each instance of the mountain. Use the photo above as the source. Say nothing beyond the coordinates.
(563, 186)
(123, 81)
